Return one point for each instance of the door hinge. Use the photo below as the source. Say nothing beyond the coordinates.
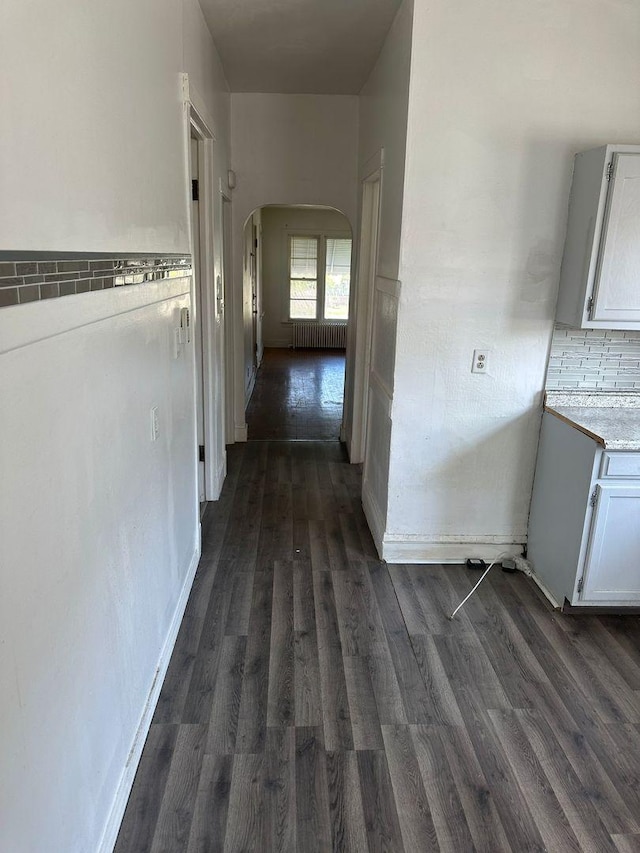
(594, 498)
(590, 308)
(580, 585)
(609, 170)
(195, 190)
(201, 453)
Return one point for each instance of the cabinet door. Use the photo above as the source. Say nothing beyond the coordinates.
(612, 571)
(617, 288)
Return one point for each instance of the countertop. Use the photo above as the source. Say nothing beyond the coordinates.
(613, 420)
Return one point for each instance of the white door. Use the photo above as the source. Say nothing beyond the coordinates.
(612, 571)
(617, 291)
(197, 325)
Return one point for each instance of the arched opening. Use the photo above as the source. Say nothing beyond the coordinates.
(292, 309)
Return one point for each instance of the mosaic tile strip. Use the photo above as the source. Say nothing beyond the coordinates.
(594, 360)
(32, 280)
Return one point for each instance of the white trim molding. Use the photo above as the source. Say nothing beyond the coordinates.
(241, 432)
(445, 549)
(374, 516)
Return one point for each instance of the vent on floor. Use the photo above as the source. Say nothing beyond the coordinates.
(320, 335)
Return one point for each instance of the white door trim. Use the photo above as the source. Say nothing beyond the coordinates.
(365, 295)
(198, 125)
(226, 266)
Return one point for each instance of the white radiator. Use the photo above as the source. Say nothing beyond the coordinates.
(320, 335)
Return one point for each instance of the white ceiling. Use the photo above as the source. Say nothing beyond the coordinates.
(299, 46)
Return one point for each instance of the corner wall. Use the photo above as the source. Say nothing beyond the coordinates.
(382, 130)
(502, 95)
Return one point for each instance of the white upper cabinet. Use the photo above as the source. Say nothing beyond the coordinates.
(600, 279)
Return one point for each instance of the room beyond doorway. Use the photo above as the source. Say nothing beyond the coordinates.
(298, 395)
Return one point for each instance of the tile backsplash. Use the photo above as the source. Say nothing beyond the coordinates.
(594, 360)
(24, 281)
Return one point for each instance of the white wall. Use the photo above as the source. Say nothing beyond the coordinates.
(384, 102)
(98, 525)
(502, 95)
(383, 127)
(288, 149)
(92, 144)
(277, 222)
(98, 533)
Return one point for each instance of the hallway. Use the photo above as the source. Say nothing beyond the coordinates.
(318, 699)
(298, 395)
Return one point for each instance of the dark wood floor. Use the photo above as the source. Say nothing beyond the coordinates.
(320, 700)
(298, 395)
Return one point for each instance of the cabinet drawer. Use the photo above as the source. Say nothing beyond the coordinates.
(620, 465)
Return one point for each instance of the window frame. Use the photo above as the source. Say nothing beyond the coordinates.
(321, 237)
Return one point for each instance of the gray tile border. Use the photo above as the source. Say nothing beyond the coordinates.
(49, 291)
(29, 294)
(27, 280)
(67, 288)
(8, 296)
(72, 266)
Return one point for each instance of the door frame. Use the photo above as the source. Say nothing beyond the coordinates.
(198, 126)
(226, 234)
(370, 212)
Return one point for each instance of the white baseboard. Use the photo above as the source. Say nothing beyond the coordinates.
(250, 387)
(415, 550)
(112, 827)
(374, 517)
(241, 432)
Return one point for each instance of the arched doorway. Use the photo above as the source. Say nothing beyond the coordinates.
(292, 310)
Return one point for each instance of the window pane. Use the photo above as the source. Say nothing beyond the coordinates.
(302, 309)
(303, 289)
(338, 279)
(304, 257)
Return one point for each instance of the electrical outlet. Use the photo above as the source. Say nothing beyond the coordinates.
(480, 361)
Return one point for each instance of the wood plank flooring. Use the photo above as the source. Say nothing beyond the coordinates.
(298, 395)
(320, 700)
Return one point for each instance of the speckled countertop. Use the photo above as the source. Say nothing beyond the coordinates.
(611, 419)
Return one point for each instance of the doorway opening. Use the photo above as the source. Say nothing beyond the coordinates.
(207, 305)
(297, 269)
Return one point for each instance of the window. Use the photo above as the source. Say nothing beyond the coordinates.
(319, 277)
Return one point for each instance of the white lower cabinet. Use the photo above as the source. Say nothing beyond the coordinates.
(584, 527)
(612, 567)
